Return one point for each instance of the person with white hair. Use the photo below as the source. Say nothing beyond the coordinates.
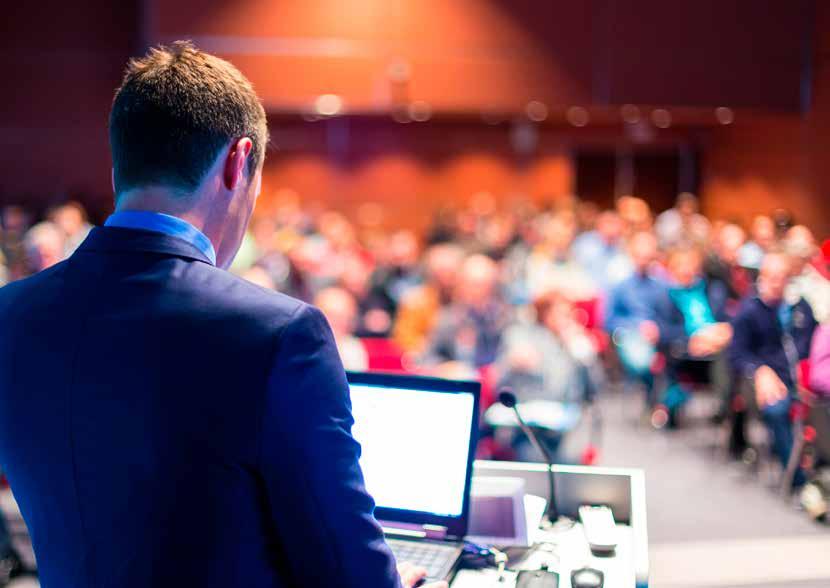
(340, 309)
(682, 223)
(44, 246)
(469, 330)
(807, 281)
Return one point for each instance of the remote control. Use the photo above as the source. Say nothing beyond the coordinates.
(600, 528)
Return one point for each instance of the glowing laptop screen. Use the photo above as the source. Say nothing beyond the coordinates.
(416, 444)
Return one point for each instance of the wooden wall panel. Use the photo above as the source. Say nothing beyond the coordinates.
(783, 161)
(499, 54)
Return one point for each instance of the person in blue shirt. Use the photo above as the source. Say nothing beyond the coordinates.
(601, 253)
(700, 328)
(772, 335)
(638, 315)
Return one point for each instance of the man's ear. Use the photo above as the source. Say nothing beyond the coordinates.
(234, 171)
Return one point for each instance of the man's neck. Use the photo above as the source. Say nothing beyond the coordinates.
(164, 201)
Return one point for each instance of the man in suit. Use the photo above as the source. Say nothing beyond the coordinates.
(195, 430)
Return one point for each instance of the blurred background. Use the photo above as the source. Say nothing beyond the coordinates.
(473, 188)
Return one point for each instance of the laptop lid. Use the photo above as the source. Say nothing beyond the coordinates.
(418, 437)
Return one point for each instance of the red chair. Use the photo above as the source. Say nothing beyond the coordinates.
(384, 355)
(589, 313)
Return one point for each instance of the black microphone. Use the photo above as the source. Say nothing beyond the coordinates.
(508, 399)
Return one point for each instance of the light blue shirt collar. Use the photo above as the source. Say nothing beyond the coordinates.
(166, 224)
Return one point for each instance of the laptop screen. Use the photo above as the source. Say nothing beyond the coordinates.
(416, 443)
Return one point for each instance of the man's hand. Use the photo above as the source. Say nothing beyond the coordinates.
(411, 575)
(650, 331)
(700, 346)
(710, 340)
(769, 388)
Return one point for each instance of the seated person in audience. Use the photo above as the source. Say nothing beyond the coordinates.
(808, 281)
(551, 265)
(762, 235)
(44, 246)
(259, 275)
(722, 266)
(375, 309)
(820, 362)
(636, 214)
(340, 309)
(71, 219)
(700, 331)
(546, 358)
(469, 330)
(601, 251)
(398, 271)
(771, 336)
(498, 235)
(638, 314)
(682, 224)
(419, 307)
(546, 361)
(266, 247)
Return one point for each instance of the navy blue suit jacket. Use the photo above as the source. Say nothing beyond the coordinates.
(164, 423)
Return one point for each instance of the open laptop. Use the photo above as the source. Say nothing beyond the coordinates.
(418, 437)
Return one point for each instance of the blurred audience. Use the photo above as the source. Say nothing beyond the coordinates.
(44, 245)
(820, 362)
(340, 309)
(71, 219)
(551, 264)
(722, 266)
(762, 236)
(469, 329)
(697, 329)
(682, 224)
(638, 315)
(771, 336)
(807, 281)
(601, 251)
(419, 307)
(529, 296)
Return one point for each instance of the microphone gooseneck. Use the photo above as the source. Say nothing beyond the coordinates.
(508, 398)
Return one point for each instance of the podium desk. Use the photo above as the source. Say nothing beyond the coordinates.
(623, 490)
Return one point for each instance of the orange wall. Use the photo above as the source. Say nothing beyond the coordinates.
(411, 172)
(469, 55)
(777, 161)
(61, 63)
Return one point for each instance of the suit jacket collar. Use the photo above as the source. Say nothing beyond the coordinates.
(116, 239)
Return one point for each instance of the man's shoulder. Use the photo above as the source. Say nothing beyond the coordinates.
(222, 290)
(20, 292)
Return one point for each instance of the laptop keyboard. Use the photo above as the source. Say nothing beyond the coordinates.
(437, 558)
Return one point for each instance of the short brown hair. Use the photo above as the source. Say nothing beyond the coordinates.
(176, 108)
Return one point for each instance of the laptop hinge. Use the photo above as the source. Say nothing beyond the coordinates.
(413, 531)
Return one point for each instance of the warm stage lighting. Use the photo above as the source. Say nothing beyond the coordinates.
(578, 116)
(420, 111)
(536, 111)
(630, 114)
(328, 104)
(725, 116)
(661, 118)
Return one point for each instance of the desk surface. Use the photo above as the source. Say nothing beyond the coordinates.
(563, 552)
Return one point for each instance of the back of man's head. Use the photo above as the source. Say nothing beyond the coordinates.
(175, 110)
